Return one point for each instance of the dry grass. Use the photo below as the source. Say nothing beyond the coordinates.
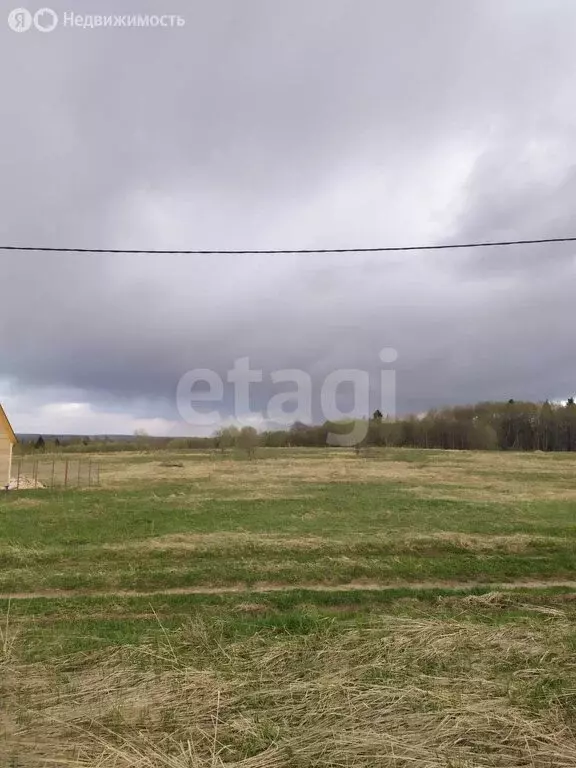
(451, 474)
(401, 541)
(202, 541)
(480, 489)
(517, 543)
(418, 693)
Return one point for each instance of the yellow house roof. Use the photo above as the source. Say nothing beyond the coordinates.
(7, 426)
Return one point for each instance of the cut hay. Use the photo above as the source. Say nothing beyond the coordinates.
(401, 693)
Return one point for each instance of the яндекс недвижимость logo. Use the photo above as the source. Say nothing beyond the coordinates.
(21, 20)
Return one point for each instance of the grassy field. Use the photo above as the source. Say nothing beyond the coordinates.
(308, 608)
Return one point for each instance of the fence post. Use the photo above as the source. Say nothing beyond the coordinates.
(79, 472)
(53, 471)
(89, 473)
(18, 475)
(35, 474)
(66, 473)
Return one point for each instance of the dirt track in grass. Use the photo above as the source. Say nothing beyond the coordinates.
(266, 587)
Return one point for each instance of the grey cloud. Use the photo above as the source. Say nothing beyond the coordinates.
(295, 125)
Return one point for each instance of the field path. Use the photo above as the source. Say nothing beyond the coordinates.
(263, 588)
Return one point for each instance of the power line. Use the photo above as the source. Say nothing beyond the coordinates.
(383, 249)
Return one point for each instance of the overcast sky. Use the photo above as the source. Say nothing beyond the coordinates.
(295, 124)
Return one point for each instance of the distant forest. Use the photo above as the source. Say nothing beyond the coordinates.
(506, 426)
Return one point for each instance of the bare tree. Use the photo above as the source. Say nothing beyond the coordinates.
(248, 440)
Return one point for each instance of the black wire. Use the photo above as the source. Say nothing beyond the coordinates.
(385, 249)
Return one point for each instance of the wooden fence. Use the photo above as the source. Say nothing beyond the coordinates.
(30, 472)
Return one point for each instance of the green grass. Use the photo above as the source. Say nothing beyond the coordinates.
(333, 534)
(48, 628)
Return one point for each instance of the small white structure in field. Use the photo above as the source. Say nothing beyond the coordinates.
(7, 441)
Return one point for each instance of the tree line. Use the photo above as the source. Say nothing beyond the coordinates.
(506, 426)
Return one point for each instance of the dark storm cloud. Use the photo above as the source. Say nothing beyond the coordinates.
(291, 125)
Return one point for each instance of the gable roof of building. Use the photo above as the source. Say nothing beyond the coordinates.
(7, 426)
